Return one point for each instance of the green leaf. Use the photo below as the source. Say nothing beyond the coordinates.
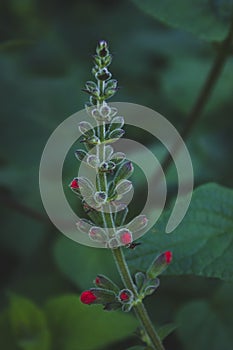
(82, 264)
(6, 337)
(77, 326)
(204, 18)
(202, 244)
(28, 325)
(192, 72)
(165, 330)
(208, 324)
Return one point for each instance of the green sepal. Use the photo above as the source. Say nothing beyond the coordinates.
(159, 264)
(113, 136)
(123, 187)
(94, 215)
(102, 281)
(140, 278)
(116, 123)
(124, 172)
(80, 154)
(102, 48)
(138, 223)
(85, 186)
(109, 93)
(150, 286)
(84, 225)
(118, 157)
(112, 306)
(111, 84)
(98, 234)
(126, 307)
(93, 140)
(86, 129)
(103, 296)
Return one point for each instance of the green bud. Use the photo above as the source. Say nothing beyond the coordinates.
(109, 93)
(115, 135)
(83, 225)
(97, 234)
(140, 278)
(98, 61)
(95, 70)
(138, 223)
(108, 152)
(160, 264)
(103, 296)
(91, 85)
(118, 157)
(102, 48)
(93, 160)
(85, 186)
(111, 84)
(150, 287)
(126, 307)
(116, 123)
(102, 281)
(94, 215)
(123, 187)
(107, 60)
(112, 306)
(80, 154)
(124, 172)
(94, 140)
(86, 129)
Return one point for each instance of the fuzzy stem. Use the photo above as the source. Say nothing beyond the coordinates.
(139, 307)
(118, 254)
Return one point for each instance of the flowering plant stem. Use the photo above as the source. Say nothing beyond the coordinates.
(119, 257)
(139, 307)
(105, 227)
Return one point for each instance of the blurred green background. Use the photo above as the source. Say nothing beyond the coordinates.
(45, 58)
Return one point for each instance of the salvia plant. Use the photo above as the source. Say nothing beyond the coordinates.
(104, 205)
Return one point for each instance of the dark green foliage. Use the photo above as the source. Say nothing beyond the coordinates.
(45, 61)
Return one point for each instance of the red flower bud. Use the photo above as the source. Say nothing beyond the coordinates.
(97, 280)
(124, 296)
(125, 236)
(168, 256)
(74, 184)
(159, 264)
(87, 297)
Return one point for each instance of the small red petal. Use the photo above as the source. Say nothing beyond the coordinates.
(87, 297)
(124, 296)
(126, 238)
(97, 280)
(168, 256)
(74, 184)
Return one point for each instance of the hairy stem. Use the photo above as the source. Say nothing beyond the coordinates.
(205, 93)
(139, 307)
(120, 261)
